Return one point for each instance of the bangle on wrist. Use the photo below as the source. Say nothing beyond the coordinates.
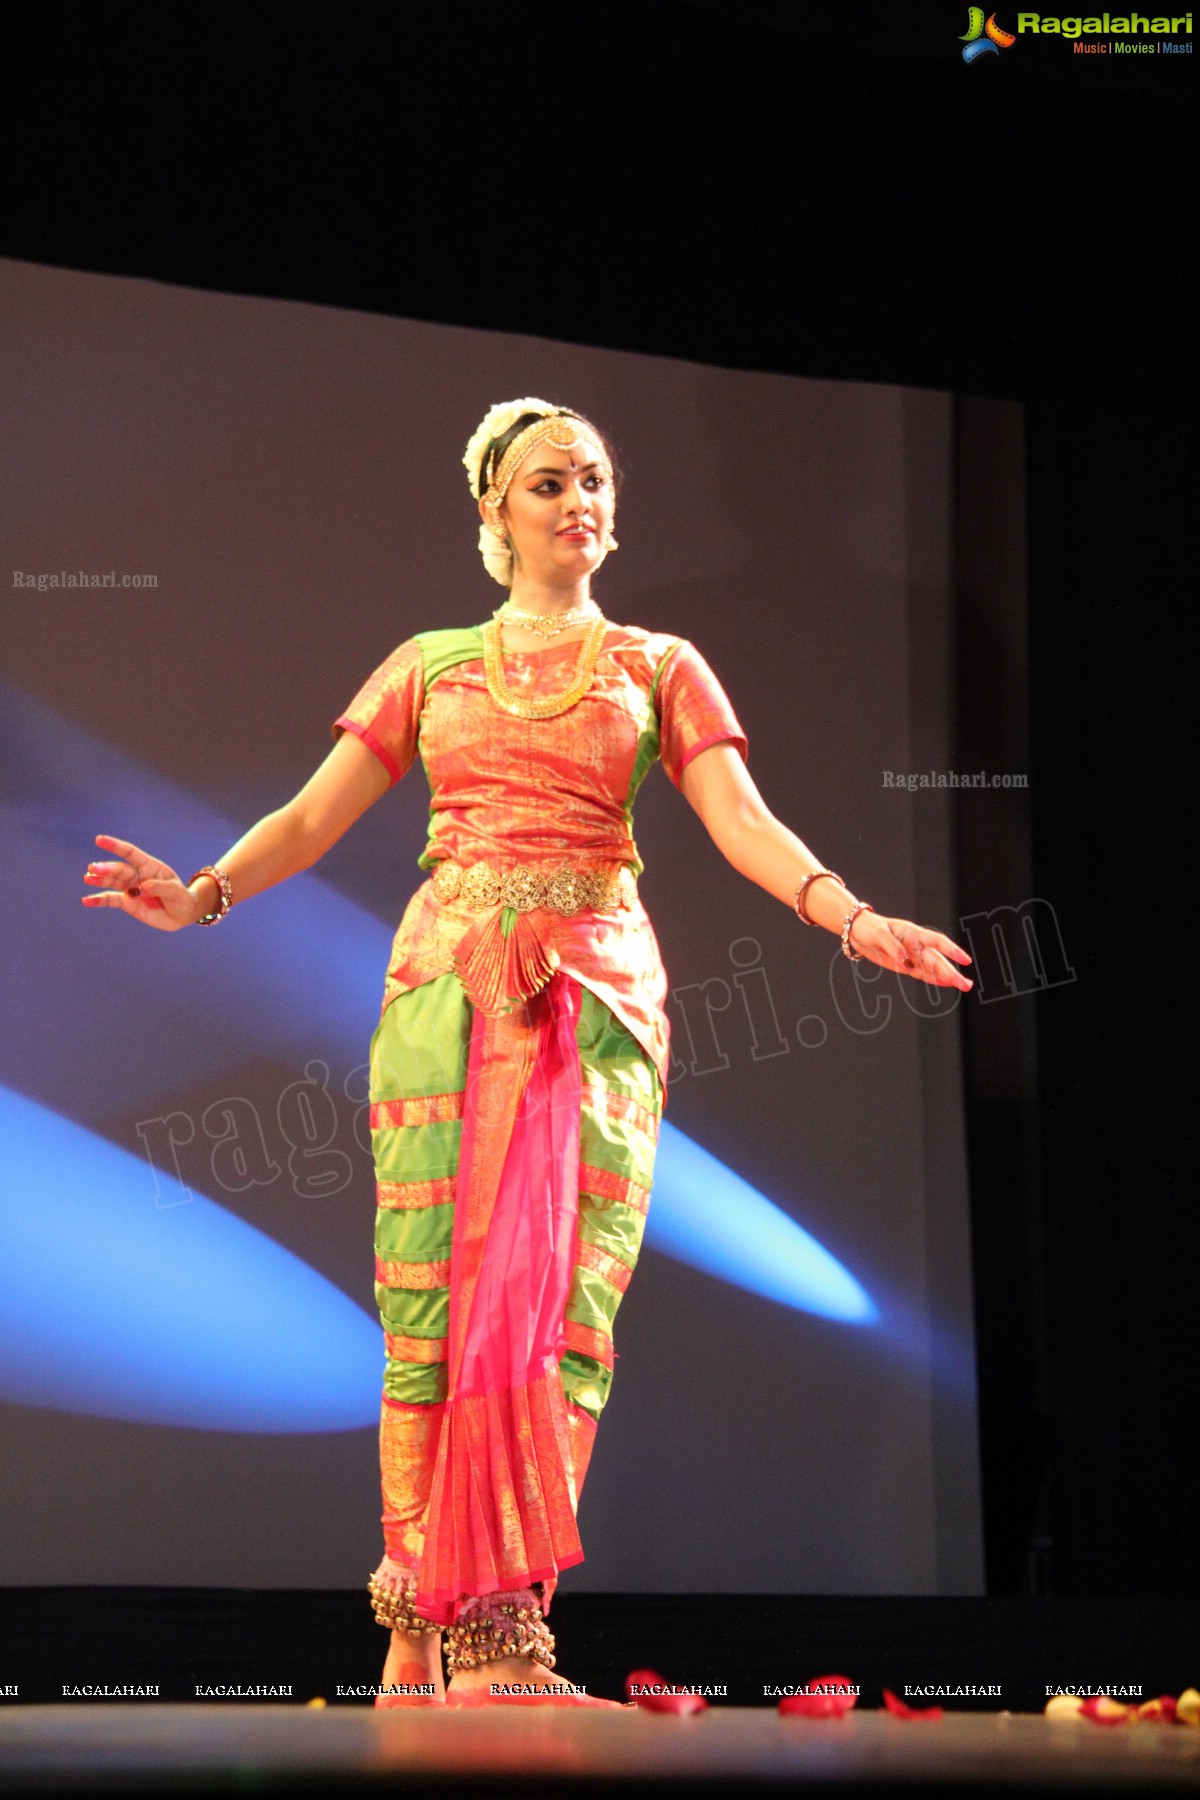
(847, 927)
(798, 902)
(224, 893)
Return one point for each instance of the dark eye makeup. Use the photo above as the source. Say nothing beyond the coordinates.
(594, 482)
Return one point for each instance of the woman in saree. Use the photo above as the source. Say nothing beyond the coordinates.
(518, 1070)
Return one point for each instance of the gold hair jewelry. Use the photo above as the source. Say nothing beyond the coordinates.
(545, 624)
(563, 431)
(495, 422)
(547, 706)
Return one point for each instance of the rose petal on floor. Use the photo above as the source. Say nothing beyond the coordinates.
(1102, 1709)
(663, 1696)
(900, 1709)
(825, 1697)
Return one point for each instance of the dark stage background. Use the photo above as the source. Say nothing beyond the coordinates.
(834, 197)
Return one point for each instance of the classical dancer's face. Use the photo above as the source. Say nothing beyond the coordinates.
(558, 510)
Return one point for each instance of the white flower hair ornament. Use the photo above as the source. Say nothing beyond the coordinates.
(552, 424)
(493, 425)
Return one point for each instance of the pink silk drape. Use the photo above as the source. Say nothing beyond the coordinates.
(502, 1508)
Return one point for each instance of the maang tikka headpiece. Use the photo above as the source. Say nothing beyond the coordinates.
(555, 426)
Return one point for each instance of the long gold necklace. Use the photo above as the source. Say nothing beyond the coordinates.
(548, 706)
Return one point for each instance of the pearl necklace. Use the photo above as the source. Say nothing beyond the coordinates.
(548, 706)
(546, 624)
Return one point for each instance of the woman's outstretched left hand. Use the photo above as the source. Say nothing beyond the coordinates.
(910, 950)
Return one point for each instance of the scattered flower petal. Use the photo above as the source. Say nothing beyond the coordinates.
(647, 1689)
(825, 1697)
(1102, 1709)
(1063, 1706)
(1187, 1707)
(1161, 1710)
(900, 1709)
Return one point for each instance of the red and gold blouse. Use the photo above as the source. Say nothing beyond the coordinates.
(541, 795)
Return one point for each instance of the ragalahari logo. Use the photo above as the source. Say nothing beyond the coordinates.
(983, 39)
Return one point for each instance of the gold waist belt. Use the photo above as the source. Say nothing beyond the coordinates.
(525, 888)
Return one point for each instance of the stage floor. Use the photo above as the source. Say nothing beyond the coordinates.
(221, 1749)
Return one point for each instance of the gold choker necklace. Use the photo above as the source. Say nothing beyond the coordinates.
(546, 624)
(549, 705)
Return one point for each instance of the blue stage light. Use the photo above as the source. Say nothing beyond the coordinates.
(167, 1313)
(705, 1215)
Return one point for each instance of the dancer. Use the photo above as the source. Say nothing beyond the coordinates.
(518, 1069)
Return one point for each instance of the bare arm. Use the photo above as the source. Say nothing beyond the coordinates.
(719, 789)
(283, 843)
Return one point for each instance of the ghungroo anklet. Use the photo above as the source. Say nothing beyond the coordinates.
(496, 1627)
(395, 1612)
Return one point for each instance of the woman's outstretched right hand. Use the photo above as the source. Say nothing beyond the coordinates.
(142, 886)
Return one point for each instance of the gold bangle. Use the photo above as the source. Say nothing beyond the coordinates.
(847, 923)
(801, 910)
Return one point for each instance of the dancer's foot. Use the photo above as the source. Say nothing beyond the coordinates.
(412, 1674)
(517, 1681)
